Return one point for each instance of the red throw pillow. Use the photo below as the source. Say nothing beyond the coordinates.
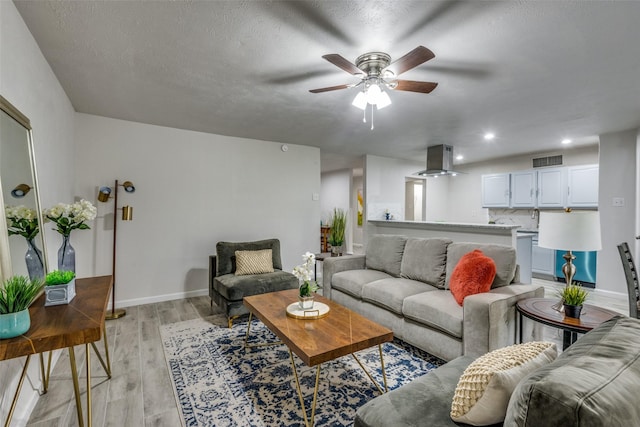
(473, 274)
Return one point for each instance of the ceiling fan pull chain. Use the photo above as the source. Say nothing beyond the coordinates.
(364, 115)
(372, 116)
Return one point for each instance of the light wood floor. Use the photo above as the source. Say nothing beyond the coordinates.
(140, 392)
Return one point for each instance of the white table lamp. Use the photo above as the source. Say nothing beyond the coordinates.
(570, 231)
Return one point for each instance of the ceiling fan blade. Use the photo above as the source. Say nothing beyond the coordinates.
(413, 86)
(340, 62)
(411, 60)
(329, 89)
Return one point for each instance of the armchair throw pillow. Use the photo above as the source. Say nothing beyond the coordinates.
(473, 274)
(254, 262)
(484, 389)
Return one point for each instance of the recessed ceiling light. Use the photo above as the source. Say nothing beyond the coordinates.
(459, 157)
(489, 136)
(566, 141)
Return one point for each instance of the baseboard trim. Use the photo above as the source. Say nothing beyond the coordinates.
(161, 298)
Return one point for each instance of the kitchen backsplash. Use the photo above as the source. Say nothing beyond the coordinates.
(526, 218)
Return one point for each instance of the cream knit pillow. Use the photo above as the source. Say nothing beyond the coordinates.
(484, 389)
(254, 262)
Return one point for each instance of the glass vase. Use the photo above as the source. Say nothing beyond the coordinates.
(66, 256)
(33, 259)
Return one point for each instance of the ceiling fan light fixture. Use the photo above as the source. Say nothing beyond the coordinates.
(383, 100)
(373, 94)
(360, 101)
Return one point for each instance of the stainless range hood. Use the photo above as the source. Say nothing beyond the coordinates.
(439, 161)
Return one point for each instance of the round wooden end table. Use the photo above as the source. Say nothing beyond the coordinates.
(541, 310)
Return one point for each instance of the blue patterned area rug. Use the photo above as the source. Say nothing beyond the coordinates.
(218, 383)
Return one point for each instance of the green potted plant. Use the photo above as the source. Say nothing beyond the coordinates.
(336, 235)
(60, 287)
(573, 297)
(16, 295)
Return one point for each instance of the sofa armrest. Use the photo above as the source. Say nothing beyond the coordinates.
(333, 265)
(489, 318)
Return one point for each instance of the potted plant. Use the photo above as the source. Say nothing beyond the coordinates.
(573, 297)
(307, 286)
(336, 235)
(16, 295)
(60, 287)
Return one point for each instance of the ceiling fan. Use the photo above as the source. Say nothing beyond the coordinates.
(376, 72)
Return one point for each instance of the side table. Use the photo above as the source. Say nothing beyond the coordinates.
(540, 310)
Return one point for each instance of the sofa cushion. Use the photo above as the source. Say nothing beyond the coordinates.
(351, 281)
(234, 288)
(226, 253)
(595, 382)
(474, 274)
(484, 389)
(437, 310)
(254, 262)
(425, 401)
(504, 256)
(390, 293)
(425, 260)
(384, 253)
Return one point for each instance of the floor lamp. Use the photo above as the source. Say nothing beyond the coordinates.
(569, 231)
(104, 194)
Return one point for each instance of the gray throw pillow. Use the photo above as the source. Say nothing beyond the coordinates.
(384, 253)
(425, 260)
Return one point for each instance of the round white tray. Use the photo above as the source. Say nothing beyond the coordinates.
(318, 311)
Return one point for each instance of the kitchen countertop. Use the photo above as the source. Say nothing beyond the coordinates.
(445, 225)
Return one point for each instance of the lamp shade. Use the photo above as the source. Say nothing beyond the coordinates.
(360, 101)
(570, 231)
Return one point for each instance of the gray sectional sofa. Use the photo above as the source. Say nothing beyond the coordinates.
(594, 383)
(402, 283)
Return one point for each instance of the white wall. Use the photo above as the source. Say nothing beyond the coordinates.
(385, 185)
(618, 224)
(27, 81)
(192, 190)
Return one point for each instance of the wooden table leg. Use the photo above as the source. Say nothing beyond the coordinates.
(87, 354)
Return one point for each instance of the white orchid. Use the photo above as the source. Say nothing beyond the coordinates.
(304, 274)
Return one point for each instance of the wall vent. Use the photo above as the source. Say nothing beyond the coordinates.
(547, 161)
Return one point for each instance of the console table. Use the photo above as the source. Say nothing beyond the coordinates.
(64, 326)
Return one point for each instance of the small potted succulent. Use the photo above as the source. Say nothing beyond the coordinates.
(573, 297)
(16, 295)
(60, 287)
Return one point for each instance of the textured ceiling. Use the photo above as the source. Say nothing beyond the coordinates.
(532, 72)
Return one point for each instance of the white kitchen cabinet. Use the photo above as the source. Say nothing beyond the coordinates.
(552, 188)
(543, 261)
(582, 186)
(523, 189)
(495, 190)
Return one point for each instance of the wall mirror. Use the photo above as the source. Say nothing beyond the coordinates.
(21, 237)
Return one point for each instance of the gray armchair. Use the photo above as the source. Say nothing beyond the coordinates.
(227, 289)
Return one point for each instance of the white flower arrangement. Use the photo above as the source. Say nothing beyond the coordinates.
(73, 216)
(22, 221)
(304, 273)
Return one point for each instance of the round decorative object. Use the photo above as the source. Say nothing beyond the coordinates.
(318, 311)
(14, 324)
(572, 311)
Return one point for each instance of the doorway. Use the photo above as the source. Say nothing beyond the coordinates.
(414, 199)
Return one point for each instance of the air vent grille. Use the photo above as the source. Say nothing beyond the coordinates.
(547, 161)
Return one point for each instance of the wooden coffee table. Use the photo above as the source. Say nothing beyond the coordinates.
(540, 310)
(315, 341)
